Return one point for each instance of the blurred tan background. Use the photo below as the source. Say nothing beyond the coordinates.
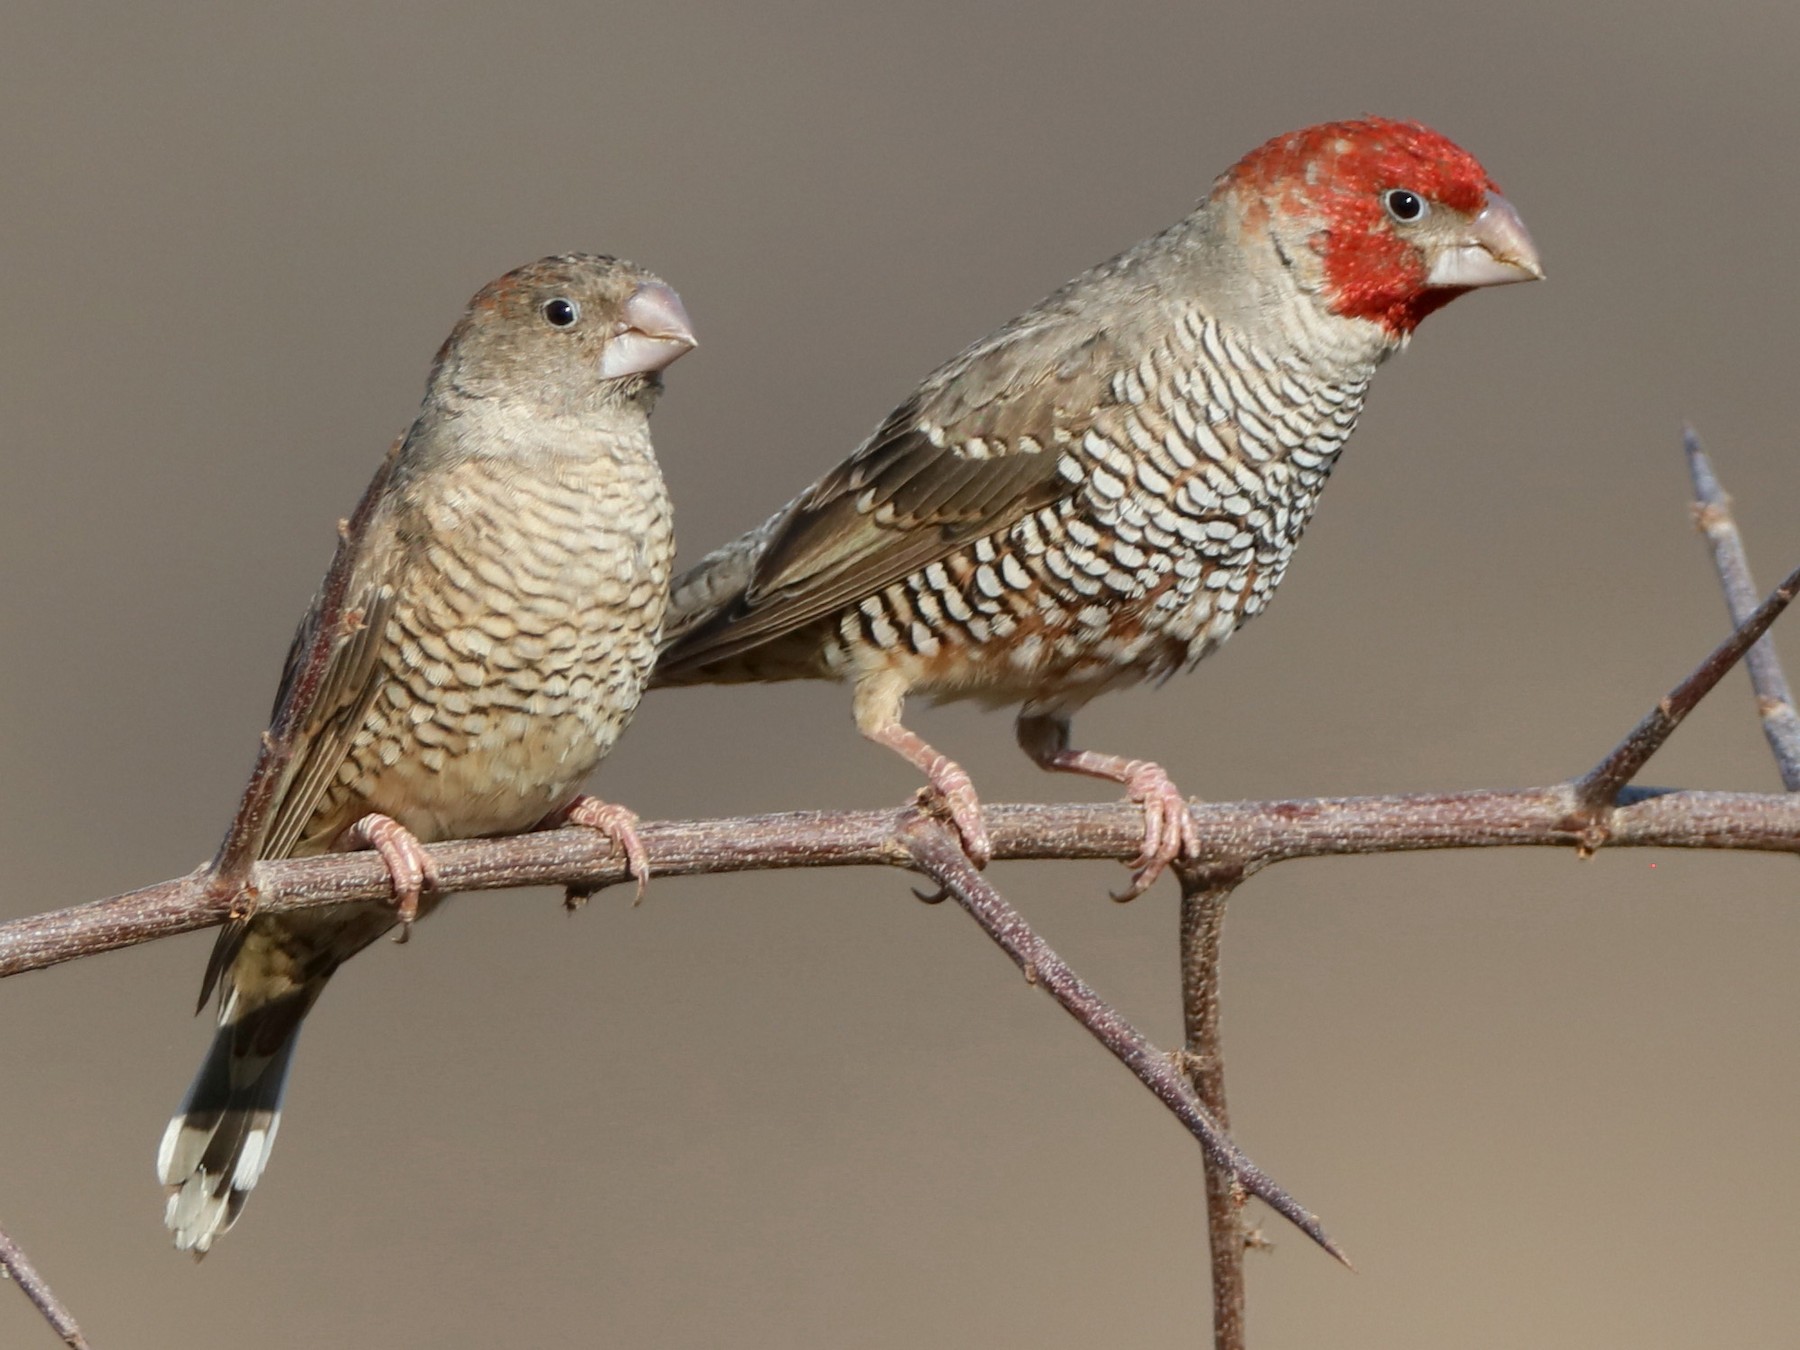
(1541, 1102)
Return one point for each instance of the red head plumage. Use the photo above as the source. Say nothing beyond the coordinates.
(1334, 179)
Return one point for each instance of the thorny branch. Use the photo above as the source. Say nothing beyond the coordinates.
(1268, 832)
(1204, 891)
(935, 852)
(1599, 789)
(1238, 839)
(16, 1266)
(1774, 702)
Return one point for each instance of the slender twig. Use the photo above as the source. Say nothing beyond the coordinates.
(1774, 700)
(1599, 789)
(1204, 892)
(936, 853)
(15, 1265)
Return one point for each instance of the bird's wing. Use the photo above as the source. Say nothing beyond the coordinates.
(334, 707)
(332, 674)
(976, 448)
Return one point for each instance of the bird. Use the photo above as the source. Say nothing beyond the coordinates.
(1103, 489)
(504, 582)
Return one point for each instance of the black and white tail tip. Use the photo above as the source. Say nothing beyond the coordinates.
(215, 1148)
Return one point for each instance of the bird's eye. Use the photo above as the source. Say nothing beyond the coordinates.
(561, 313)
(1405, 207)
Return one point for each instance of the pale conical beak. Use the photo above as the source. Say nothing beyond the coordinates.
(1495, 251)
(653, 332)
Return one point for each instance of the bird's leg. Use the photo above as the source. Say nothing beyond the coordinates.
(618, 824)
(878, 702)
(408, 864)
(1168, 826)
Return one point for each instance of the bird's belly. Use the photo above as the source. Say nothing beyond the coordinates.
(486, 727)
(500, 780)
(1011, 621)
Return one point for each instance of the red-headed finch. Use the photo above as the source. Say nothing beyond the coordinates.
(1102, 490)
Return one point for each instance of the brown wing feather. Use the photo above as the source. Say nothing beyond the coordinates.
(977, 448)
(325, 734)
(322, 715)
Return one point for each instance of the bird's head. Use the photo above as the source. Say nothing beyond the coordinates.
(1382, 221)
(573, 332)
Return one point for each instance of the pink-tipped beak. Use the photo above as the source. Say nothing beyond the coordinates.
(654, 332)
(1494, 251)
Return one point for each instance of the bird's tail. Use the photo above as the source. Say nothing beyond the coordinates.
(219, 1140)
(716, 581)
(704, 603)
(697, 600)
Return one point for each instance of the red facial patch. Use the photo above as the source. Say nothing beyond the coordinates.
(1333, 176)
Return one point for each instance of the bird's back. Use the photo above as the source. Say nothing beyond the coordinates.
(1173, 477)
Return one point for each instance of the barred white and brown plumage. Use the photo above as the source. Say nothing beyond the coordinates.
(1105, 488)
(509, 581)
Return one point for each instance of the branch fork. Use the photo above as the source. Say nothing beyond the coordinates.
(1235, 840)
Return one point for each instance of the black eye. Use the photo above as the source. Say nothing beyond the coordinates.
(561, 313)
(1405, 207)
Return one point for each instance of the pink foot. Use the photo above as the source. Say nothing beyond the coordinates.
(954, 790)
(878, 701)
(1168, 825)
(408, 864)
(616, 823)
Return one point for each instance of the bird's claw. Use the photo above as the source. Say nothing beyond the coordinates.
(409, 866)
(617, 823)
(1169, 831)
(953, 793)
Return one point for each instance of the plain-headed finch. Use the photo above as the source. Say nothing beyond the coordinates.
(507, 577)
